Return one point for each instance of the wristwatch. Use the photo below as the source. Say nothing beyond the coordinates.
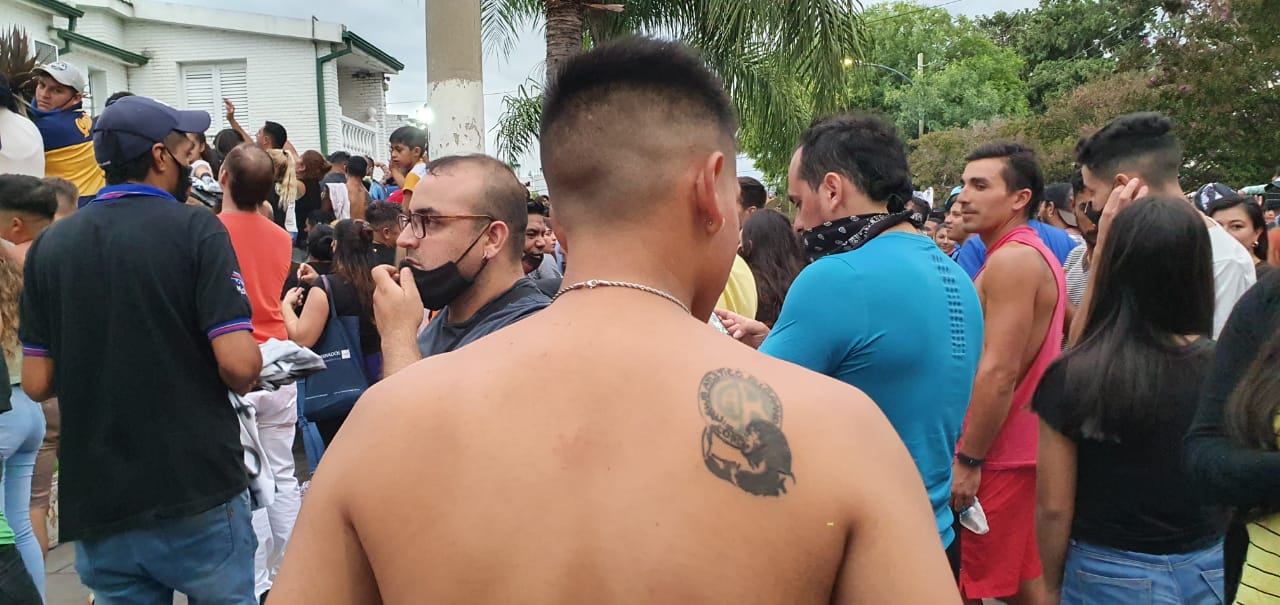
(967, 461)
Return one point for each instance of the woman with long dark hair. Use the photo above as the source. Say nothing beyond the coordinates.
(1118, 517)
(1242, 218)
(770, 247)
(1232, 447)
(349, 288)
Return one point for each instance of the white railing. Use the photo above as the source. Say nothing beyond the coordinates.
(359, 138)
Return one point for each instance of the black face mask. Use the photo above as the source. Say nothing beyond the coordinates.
(1095, 216)
(184, 179)
(440, 286)
(533, 260)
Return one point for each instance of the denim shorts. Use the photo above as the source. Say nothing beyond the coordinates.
(1098, 575)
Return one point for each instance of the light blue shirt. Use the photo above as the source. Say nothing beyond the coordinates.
(901, 321)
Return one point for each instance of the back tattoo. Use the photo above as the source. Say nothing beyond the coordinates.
(743, 442)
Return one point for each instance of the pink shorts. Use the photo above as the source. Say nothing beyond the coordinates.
(992, 566)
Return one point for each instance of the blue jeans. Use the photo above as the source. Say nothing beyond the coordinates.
(207, 556)
(21, 432)
(1098, 575)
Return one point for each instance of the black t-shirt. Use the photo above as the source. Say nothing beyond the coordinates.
(277, 211)
(1137, 494)
(305, 205)
(384, 255)
(125, 296)
(346, 302)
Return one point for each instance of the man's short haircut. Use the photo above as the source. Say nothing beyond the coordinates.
(410, 137)
(111, 100)
(863, 148)
(537, 206)
(382, 214)
(503, 198)
(1021, 169)
(339, 157)
(621, 122)
(1141, 143)
(357, 167)
(250, 176)
(753, 193)
(1077, 183)
(279, 136)
(27, 194)
(918, 206)
(68, 194)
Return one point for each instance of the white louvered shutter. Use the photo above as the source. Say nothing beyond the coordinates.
(205, 85)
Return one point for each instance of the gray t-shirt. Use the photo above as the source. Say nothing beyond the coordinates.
(522, 300)
(548, 269)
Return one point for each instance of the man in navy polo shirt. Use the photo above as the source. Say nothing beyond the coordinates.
(135, 312)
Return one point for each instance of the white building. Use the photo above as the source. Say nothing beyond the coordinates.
(322, 82)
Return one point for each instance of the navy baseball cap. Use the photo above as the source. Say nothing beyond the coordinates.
(130, 126)
(1211, 193)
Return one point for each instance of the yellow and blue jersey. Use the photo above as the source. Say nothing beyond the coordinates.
(68, 147)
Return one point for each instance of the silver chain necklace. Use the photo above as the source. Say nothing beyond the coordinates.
(591, 284)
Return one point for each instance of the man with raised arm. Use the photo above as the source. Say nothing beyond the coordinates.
(660, 462)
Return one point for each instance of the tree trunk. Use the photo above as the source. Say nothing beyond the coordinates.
(564, 33)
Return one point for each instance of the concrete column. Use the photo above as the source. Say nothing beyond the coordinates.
(455, 93)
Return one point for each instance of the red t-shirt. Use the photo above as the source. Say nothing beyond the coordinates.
(265, 252)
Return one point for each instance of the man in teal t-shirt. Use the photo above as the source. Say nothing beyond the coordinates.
(881, 307)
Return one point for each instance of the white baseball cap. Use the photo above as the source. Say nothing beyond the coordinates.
(66, 74)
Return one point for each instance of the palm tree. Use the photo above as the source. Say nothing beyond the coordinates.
(781, 60)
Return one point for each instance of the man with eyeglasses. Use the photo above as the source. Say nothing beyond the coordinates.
(135, 311)
(463, 235)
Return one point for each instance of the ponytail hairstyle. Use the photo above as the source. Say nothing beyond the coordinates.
(286, 177)
(353, 258)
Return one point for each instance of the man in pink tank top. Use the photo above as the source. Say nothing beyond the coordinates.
(1023, 294)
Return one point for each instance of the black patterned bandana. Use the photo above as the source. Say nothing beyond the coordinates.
(851, 233)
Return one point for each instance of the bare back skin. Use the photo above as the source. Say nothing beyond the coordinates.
(612, 449)
(1033, 272)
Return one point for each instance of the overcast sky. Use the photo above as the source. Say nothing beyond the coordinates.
(396, 26)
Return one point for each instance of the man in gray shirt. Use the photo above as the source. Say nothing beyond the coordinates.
(463, 241)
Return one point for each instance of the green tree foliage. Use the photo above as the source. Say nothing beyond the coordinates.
(966, 77)
(1211, 65)
(1065, 43)
(972, 89)
(781, 62)
(938, 158)
(1218, 76)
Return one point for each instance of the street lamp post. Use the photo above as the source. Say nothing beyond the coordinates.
(849, 62)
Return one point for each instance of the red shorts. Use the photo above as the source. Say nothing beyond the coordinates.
(992, 566)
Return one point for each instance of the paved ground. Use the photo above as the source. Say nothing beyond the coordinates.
(62, 586)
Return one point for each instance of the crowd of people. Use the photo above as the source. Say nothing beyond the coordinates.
(1064, 392)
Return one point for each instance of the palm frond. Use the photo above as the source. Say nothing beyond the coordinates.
(517, 127)
(17, 65)
(501, 22)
